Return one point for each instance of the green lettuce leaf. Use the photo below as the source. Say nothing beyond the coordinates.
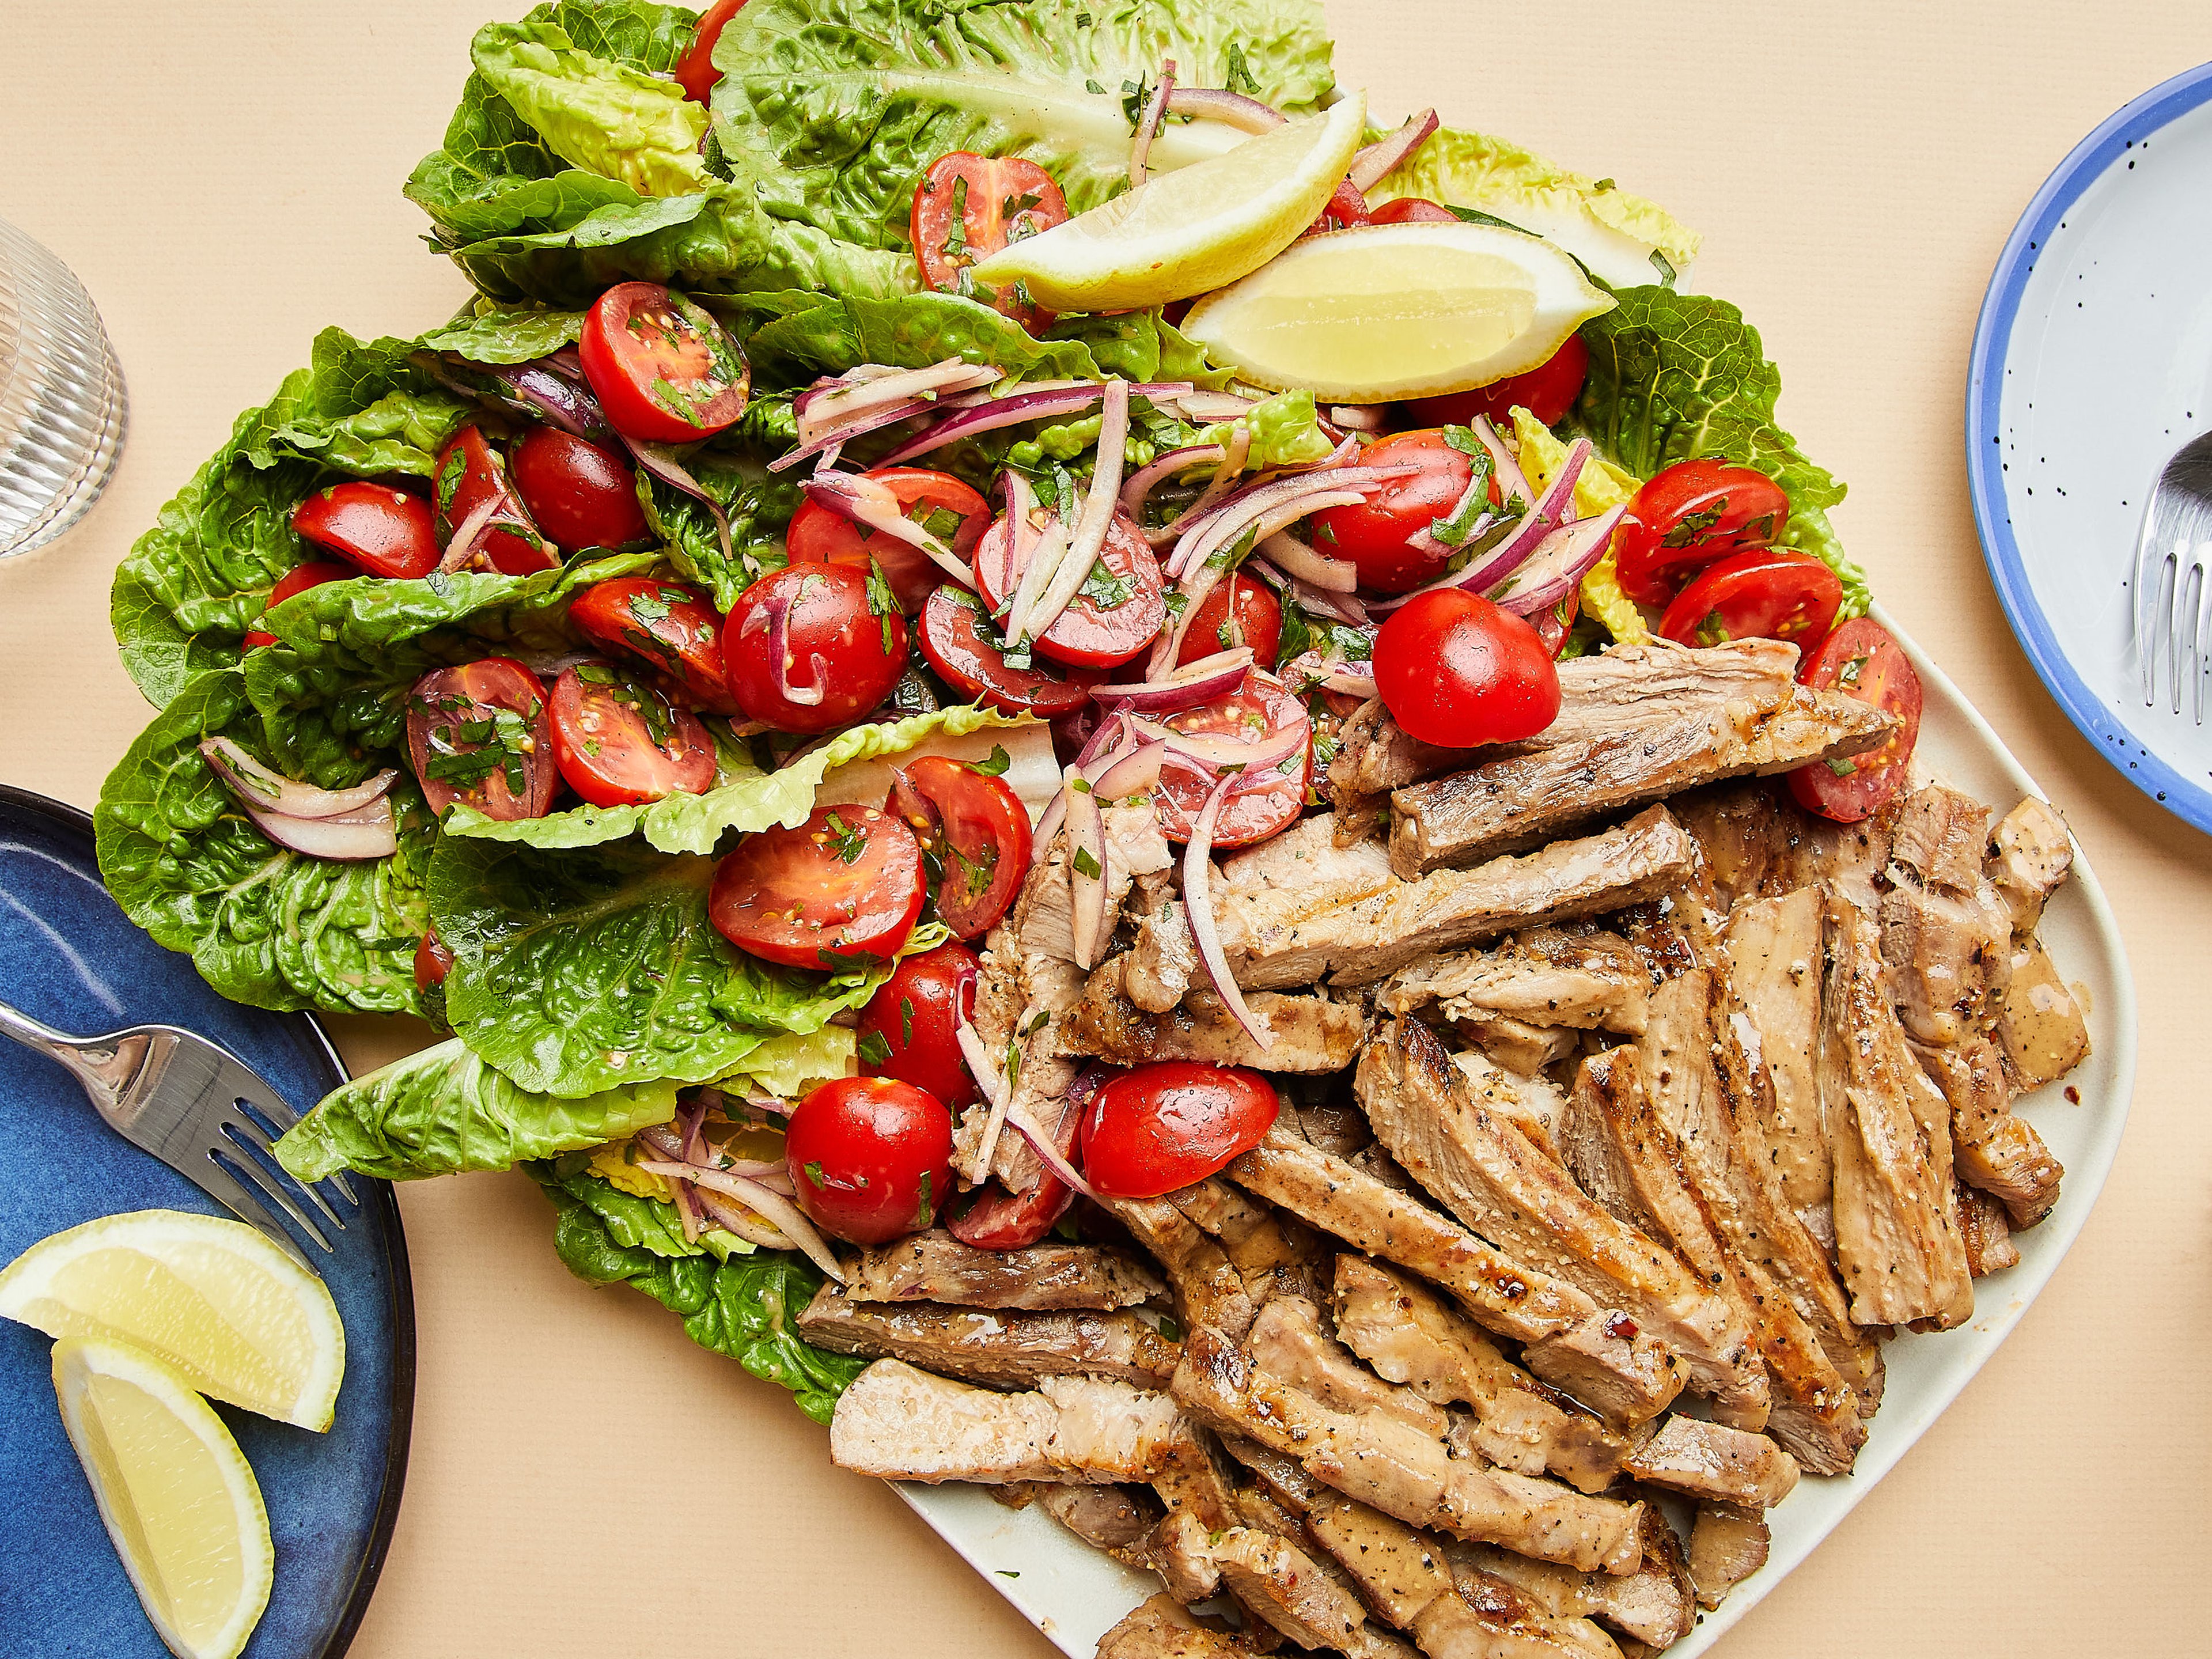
(1612, 233)
(787, 1066)
(636, 1222)
(914, 331)
(444, 1111)
(842, 104)
(600, 114)
(757, 505)
(1285, 431)
(492, 335)
(1675, 376)
(747, 1308)
(747, 801)
(264, 925)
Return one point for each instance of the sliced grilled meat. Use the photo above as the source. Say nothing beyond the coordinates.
(1308, 1034)
(2030, 854)
(1946, 935)
(1208, 1288)
(1776, 947)
(999, 1348)
(1592, 995)
(1163, 1629)
(1992, 1148)
(1653, 1605)
(1987, 1233)
(1728, 1544)
(1164, 957)
(1710, 1460)
(935, 1266)
(1115, 1519)
(1263, 892)
(2041, 1027)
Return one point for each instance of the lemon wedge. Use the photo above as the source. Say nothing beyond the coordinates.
(176, 1494)
(1398, 311)
(213, 1299)
(1196, 229)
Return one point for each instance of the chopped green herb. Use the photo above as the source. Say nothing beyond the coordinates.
(956, 230)
(875, 1047)
(906, 1021)
(922, 1212)
(814, 1172)
(1087, 865)
(1105, 590)
(1240, 77)
(994, 764)
(846, 842)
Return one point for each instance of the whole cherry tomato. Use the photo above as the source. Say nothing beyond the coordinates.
(580, 494)
(482, 733)
(663, 370)
(806, 648)
(847, 883)
(1374, 534)
(1259, 622)
(1547, 391)
(1864, 660)
(1164, 1126)
(297, 579)
(967, 207)
(908, 1031)
(371, 526)
(870, 1157)
(1767, 593)
(1455, 669)
(1688, 515)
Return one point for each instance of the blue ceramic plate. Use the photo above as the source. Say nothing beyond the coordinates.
(69, 957)
(2092, 364)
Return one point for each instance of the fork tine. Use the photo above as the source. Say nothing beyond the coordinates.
(254, 1176)
(255, 1109)
(2150, 576)
(213, 1179)
(244, 1129)
(2188, 601)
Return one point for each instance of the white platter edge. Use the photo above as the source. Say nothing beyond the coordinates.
(1073, 1593)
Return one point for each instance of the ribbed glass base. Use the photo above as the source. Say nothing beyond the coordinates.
(62, 400)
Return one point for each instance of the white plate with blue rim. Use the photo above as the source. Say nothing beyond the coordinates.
(2092, 364)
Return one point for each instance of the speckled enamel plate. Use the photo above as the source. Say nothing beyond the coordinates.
(2092, 364)
(1073, 1593)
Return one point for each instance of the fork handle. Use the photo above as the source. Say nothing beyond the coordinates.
(58, 1045)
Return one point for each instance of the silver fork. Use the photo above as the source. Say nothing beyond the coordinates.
(178, 1095)
(2173, 574)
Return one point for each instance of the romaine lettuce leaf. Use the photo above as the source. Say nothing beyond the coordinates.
(600, 114)
(1612, 233)
(747, 1308)
(634, 1207)
(842, 104)
(757, 506)
(264, 925)
(1675, 376)
(1285, 431)
(787, 1066)
(443, 1110)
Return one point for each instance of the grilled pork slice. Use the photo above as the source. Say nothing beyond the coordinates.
(2030, 854)
(1308, 1034)
(1889, 1136)
(1115, 1519)
(1597, 995)
(1992, 1148)
(1263, 892)
(1987, 1232)
(2041, 1027)
(1373, 937)
(1391, 1465)
(1261, 1243)
(1757, 842)
(1776, 947)
(1287, 1341)
(1162, 1628)
(1409, 1335)
(1946, 935)
(1164, 956)
(996, 1346)
(1489, 1174)
(1520, 798)
(1285, 1586)
(1208, 1288)
(1598, 696)
(904, 1424)
(935, 1266)
(1653, 1605)
(1728, 1544)
(1712, 1461)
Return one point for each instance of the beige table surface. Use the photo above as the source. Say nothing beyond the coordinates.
(225, 178)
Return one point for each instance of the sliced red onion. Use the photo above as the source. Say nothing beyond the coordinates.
(1148, 124)
(1198, 906)
(1086, 835)
(1311, 668)
(1227, 470)
(991, 1083)
(1044, 556)
(1043, 1143)
(828, 405)
(869, 502)
(665, 464)
(1277, 514)
(778, 606)
(1144, 480)
(367, 832)
(687, 1213)
(467, 533)
(1486, 570)
(772, 1206)
(1379, 160)
(862, 424)
(1561, 560)
(273, 792)
(548, 390)
(1133, 773)
(1295, 558)
(1047, 402)
(1359, 417)
(751, 1227)
(1186, 688)
(1204, 535)
(1215, 753)
(1231, 109)
(1088, 539)
(1206, 406)
(1504, 466)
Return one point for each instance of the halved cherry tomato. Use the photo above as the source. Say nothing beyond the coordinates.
(694, 71)
(1110, 620)
(908, 1031)
(469, 475)
(937, 502)
(371, 526)
(675, 630)
(1455, 669)
(1768, 593)
(664, 370)
(870, 1157)
(980, 830)
(1166, 1125)
(952, 638)
(967, 207)
(433, 961)
(1346, 208)
(1373, 533)
(1259, 622)
(1414, 210)
(482, 733)
(1259, 709)
(619, 741)
(297, 579)
(1864, 660)
(847, 883)
(1689, 515)
(1547, 391)
(992, 1219)
(835, 647)
(581, 495)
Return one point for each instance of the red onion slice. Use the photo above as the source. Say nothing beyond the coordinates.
(1231, 109)
(869, 502)
(821, 407)
(1086, 841)
(1146, 479)
(1486, 570)
(1294, 557)
(778, 606)
(837, 436)
(1279, 514)
(992, 1083)
(1133, 773)
(1561, 560)
(751, 1227)
(772, 1206)
(1217, 753)
(1186, 688)
(1203, 536)
(368, 832)
(1504, 466)
(1205, 406)
(1227, 470)
(1198, 906)
(1148, 124)
(1311, 668)
(1043, 1143)
(467, 533)
(1379, 160)
(1050, 402)
(272, 792)
(1089, 539)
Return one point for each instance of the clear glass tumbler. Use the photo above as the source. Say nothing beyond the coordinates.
(61, 397)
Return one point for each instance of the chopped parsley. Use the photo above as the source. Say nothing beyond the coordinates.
(956, 229)
(1087, 866)
(1240, 77)
(875, 1047)
(1105, 590)
(994, 764)
(847, 843)
(906, 1021)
